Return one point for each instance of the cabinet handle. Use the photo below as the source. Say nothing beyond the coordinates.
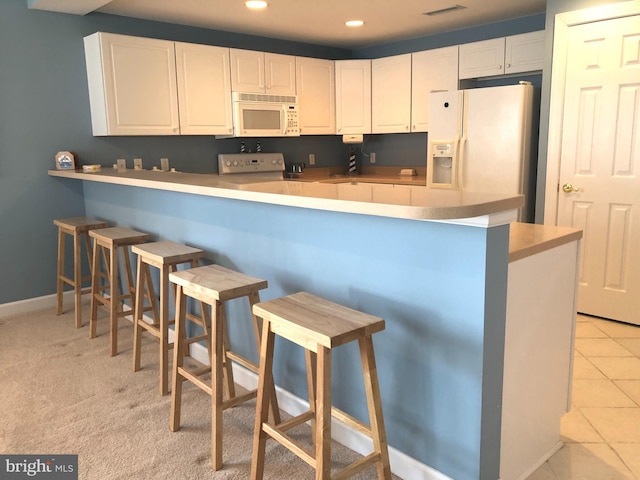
(508, 65)
(499, 67)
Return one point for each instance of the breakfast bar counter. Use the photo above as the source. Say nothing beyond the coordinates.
(339, 195)
(436, 265)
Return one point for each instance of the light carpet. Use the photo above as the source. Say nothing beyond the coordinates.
(61, 393)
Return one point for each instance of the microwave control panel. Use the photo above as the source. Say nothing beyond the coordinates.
(293, 127)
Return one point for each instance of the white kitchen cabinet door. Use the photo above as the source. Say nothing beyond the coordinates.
(260, 72)
(353, 96)
(247, 71)
(482, 59)
(204, 89)
(525, 52)
(280, 74)
(315, 84)
(391, 94)
(431, 71)
(132, 85)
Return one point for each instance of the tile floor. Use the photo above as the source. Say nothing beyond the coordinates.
(601, 434)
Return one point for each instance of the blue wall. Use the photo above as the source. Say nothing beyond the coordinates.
(440, 288)
(44, 108)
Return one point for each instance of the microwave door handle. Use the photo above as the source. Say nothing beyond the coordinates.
(284, 119)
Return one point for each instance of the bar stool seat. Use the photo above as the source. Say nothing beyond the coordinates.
(108, 241)
(318, 325)
(165, 256)
(78, 228)
(213, 285)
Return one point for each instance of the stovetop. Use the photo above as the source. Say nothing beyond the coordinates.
(251, 163)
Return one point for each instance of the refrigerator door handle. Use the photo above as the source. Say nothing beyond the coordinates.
(462, 146)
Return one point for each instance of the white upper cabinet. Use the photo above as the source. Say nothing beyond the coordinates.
(353, 96)
(260, 72)
(315, 84)
(204, 89)
(482, 59)
(522, 53)
(132, 85)
(391, 94)
(431, 71)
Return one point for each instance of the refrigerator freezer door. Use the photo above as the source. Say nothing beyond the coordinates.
(445, 113)
(497, 128)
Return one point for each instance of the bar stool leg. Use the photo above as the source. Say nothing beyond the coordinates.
(372, 389)
(323, 418)
(254, 297)
(217, 357)
(137, 316)
(265, 385)
(77, 281)
(114, 302)
(60, 283)
(143, 290)
(178, 359)
(164, 329)
(311, 388)
(227, 367)
(95, 279)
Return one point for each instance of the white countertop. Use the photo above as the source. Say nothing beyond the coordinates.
(414, 202)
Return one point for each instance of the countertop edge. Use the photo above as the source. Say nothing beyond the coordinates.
(528, 239)
(207, 185)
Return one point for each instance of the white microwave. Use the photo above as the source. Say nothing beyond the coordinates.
(260, 115)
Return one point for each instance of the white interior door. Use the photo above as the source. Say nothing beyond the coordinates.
(600, 164)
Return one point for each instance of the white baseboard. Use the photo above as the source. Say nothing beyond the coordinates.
(402, 465)
(33, 304)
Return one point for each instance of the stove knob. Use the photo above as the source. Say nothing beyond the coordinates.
(235, 163)
(227, 163)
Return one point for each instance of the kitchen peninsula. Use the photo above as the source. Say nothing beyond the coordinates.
(434, 264)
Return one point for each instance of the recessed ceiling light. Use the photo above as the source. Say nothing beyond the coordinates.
(255, 4)
(354, 23)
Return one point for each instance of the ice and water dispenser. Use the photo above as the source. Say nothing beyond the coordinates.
(442, 171)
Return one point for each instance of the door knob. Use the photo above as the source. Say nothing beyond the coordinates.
(568, 188)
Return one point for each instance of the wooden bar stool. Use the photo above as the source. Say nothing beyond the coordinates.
(165, 256)
(78, 228)
(318, 325)
(213, 285)
(108, 241)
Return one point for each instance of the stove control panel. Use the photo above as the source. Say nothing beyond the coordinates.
(250, 163)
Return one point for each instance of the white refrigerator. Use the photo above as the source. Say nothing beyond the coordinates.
(481, 140)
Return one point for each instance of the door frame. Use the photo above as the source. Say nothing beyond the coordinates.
(563, 22)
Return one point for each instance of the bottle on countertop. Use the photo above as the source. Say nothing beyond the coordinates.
(352, 162)
(242, 147)
(258, 146)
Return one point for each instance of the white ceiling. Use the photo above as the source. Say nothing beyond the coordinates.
(319, 22)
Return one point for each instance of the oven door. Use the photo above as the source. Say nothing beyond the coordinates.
(259, 119)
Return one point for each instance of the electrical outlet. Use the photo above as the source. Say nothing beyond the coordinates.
(372, 157)
(312, 159)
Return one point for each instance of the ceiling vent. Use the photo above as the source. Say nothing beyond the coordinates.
(444, 10)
